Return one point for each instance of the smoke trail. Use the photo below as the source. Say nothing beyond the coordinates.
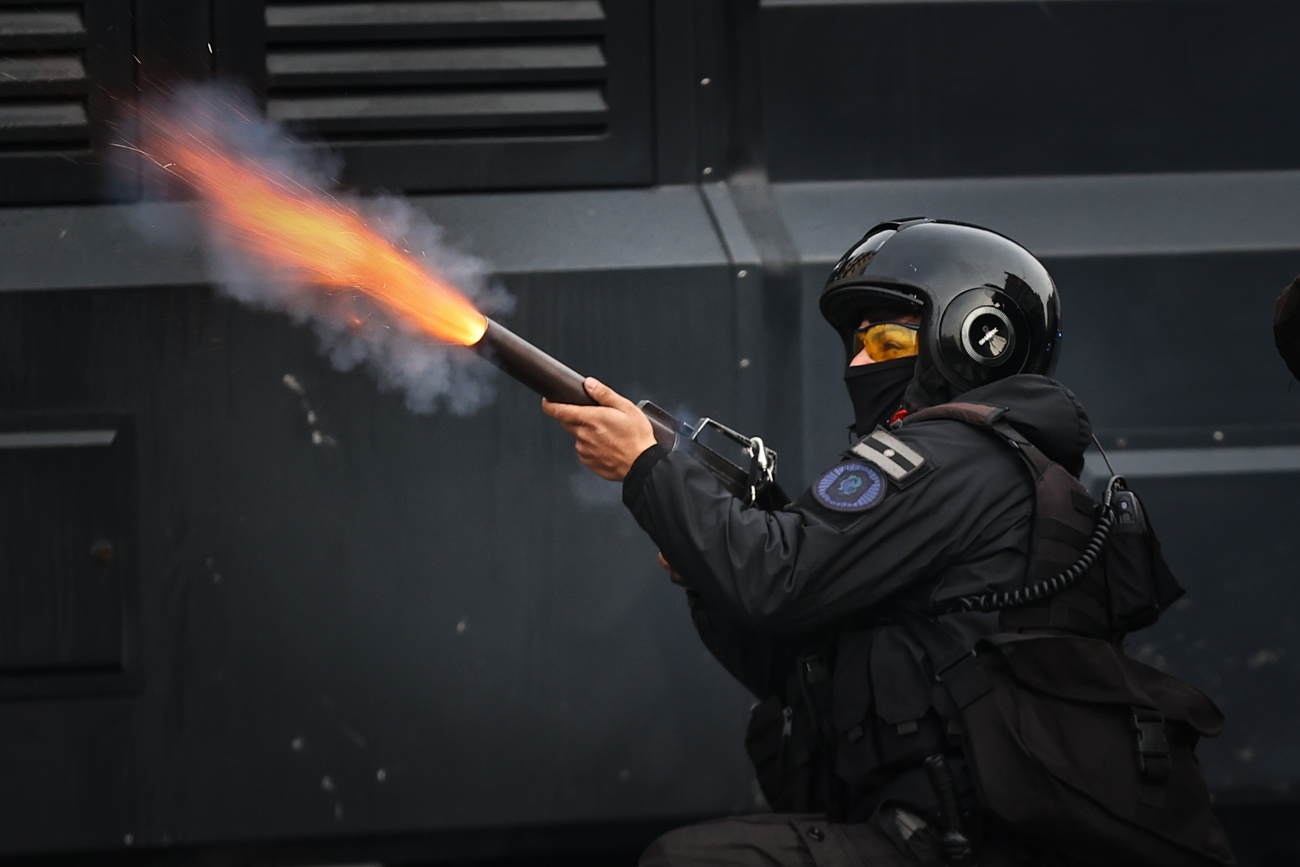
(353, 330)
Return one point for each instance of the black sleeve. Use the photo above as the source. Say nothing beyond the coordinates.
(759, 661)
(806, 565)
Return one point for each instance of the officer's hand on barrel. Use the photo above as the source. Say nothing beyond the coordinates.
(609, 437)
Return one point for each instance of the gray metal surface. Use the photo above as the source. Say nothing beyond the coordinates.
(359, 620)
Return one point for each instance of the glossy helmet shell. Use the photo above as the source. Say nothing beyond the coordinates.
(991, 308)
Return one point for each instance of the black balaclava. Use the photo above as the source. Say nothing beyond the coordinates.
(877, 391)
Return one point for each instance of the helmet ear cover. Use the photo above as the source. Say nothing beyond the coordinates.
(981, 336)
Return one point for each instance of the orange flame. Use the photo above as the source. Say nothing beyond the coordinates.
(288, 225)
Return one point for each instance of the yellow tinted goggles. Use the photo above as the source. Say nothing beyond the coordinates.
(885, 340)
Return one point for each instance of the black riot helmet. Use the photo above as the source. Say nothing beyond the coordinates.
(990, 309)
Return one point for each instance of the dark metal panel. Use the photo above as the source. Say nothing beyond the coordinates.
(414, 624)
(67, 581)
(1063, 216)
(70, 783)
(933, 89)
(397, 664)
(1179, 344)
(107, 246)
(173, 40)
(675, 83)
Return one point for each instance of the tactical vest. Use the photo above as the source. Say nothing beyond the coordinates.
(1070, 742)
(1097, 573)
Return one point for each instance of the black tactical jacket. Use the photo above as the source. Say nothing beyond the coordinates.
(825, 574)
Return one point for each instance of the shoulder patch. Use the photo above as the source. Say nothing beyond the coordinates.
(895, 458)
(849, 487)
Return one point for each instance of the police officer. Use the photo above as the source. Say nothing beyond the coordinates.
(801, 604)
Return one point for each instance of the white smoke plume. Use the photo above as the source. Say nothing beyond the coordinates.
(354, 331)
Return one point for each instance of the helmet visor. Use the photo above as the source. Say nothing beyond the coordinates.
(883, 341)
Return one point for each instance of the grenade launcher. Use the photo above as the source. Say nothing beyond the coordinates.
(753, 484)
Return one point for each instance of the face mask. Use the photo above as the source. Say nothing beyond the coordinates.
(877, 391)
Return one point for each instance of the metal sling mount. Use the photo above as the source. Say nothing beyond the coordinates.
(762, 460)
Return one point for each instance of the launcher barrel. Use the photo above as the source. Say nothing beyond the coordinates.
(531, 366)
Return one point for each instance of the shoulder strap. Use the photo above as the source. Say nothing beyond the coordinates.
(993, 418)
(1067, 536)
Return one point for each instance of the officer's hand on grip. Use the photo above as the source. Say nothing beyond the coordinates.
(609, 437)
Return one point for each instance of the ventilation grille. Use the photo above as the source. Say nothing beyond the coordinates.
(43, 78)
(438, 69)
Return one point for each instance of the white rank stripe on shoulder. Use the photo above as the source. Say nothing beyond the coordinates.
(899, 460)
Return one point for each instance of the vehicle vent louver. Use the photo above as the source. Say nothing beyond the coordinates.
(438, 69)
(44, 84)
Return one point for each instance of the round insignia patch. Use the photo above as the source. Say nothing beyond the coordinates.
(850, 487)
